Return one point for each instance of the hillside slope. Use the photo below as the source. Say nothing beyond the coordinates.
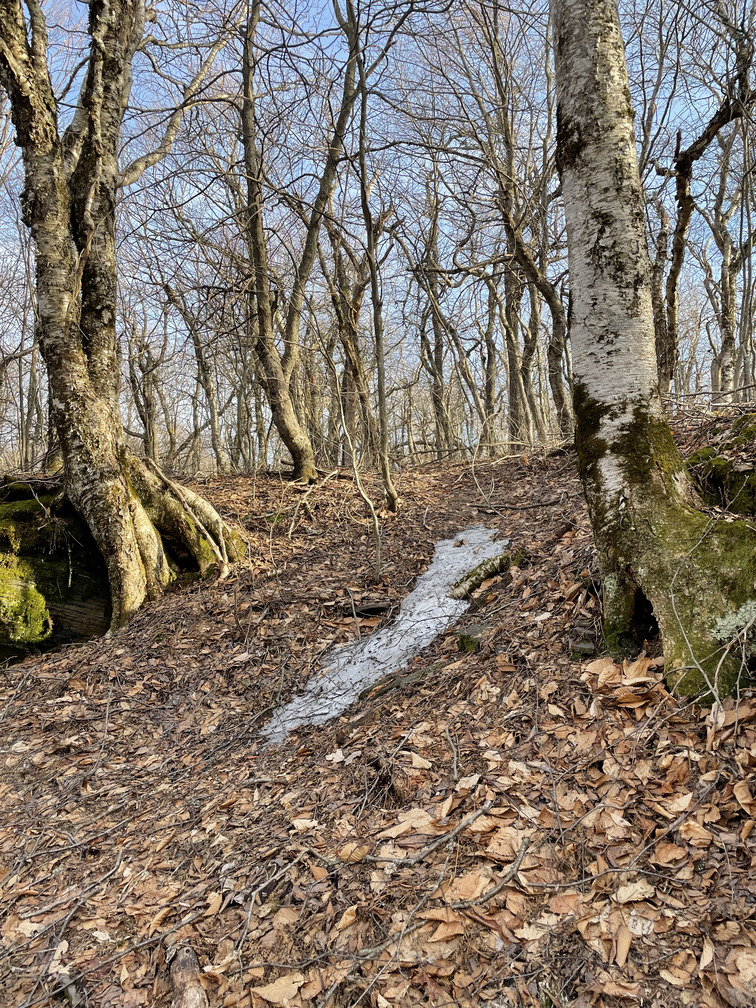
(525, 824)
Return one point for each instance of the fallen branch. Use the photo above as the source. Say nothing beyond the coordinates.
(486, 569)
(185, 980)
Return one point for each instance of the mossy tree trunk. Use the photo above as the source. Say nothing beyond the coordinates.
(653, 542)
(71, 183)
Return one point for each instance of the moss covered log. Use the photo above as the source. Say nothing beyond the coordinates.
(488, 568)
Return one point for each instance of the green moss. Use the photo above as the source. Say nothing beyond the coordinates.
(746, 425)
(646, 446)
(657, 551)
(24, 618)
(721, 483)
(20, 525)
(702, 455)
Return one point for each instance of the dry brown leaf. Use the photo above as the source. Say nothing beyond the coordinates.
(680, 803)
(565, 903)
(443, 913)
(634, 891)
(323, 978)
(279, 991)
(707, 955)
(214, 903)
(744, 797)
(157, 920)
(285, 917)
(348, 917)
(506, 842)
(467, 887)
(353, 852)
(624, 990)
(484, 824)
(465, 784)
(676, 976)
(300, 825)
(623, 938)
(447, 930)
(531, 932)
(668, 853)
(416, 820)
(695, 834)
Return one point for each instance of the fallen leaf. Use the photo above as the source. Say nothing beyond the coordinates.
(214, 902)
(680, 803)
(348, 917)
(675, 976)
(634, 892)
(745, 799)
(668, 853)
(415, 820)
(707, 955)
(695, 834)
(285, 917)
(623, 990)
(304, 824)
(353, 852)
(564, 903)
(623, 938)
(447, 930)
(281, 990)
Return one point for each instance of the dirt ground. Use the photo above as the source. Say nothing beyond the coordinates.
(528, 824)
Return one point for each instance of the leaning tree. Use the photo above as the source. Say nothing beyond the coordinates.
(655, 544)
(72, 181)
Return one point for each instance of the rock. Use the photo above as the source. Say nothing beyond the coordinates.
(469, 639)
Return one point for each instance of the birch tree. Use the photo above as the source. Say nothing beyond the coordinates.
(654, 545)
(72, 178)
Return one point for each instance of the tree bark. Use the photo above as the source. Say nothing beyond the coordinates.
(653, 544)
(274, 371)
(71, 181)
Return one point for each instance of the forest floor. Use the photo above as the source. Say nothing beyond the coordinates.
(524, 825)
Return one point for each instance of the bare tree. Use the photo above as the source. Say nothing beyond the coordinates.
(72, 178)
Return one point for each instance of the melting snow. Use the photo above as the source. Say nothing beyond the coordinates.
(423, 615)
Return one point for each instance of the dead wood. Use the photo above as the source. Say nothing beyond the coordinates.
(185, 980)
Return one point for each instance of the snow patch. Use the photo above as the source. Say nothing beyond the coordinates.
(425, 613)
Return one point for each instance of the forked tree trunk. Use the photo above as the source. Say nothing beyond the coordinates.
(126, 502)
(697, 574)
(71, 181)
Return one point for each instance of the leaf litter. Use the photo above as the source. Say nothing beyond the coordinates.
(525, 824)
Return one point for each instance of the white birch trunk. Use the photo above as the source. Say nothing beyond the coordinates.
(653, 545)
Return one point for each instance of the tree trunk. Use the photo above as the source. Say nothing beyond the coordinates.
(69, 200)
(275, 377)
(654, 546)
